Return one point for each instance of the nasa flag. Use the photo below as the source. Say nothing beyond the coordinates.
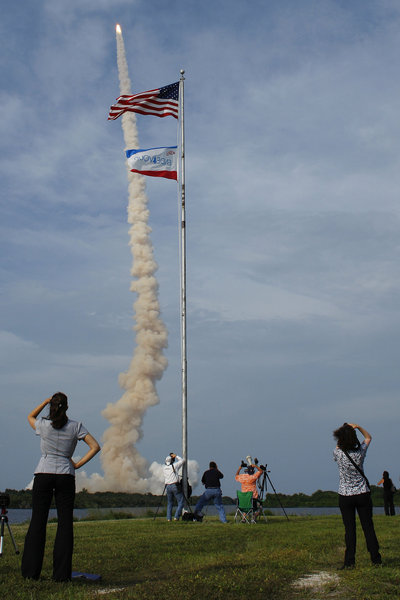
(156, 162)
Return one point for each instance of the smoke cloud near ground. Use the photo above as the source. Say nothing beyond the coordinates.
(125, 470)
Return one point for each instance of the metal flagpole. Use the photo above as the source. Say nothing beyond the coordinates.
(183, 283)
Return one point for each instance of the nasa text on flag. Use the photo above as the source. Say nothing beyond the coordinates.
(156, 162)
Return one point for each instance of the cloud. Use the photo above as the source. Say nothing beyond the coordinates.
(12, 346)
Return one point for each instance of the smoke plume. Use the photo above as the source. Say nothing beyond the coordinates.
(124, 468)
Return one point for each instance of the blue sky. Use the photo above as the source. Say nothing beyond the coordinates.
(292, 169)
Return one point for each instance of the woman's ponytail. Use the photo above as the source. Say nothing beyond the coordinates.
(58, 410)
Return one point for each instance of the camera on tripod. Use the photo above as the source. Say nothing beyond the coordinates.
(4, 501)
(262, 467)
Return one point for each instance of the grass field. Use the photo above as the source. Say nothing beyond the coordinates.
(145, 559)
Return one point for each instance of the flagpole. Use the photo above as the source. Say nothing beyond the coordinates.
(183, 282)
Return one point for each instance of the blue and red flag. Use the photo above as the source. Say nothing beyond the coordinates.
(156, 162)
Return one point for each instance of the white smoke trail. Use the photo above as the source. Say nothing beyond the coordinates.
(124, 468)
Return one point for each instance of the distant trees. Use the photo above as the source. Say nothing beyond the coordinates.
(85, 499)
(20, 498)
(320, 498)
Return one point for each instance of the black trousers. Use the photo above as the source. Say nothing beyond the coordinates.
(388, 503)
(63, 488)
(361, 503)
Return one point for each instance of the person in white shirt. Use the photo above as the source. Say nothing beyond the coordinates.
(173, 488)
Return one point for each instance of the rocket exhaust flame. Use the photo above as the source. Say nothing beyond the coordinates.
(118, 28)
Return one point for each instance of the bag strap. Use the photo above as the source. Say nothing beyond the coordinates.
(357, 467)
(175, 473)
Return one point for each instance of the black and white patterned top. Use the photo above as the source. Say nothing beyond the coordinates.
(351, 482)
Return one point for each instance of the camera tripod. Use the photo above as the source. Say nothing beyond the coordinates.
(262, 486)
(4, 520)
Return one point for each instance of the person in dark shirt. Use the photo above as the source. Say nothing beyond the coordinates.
(211, 480)
(388, 493)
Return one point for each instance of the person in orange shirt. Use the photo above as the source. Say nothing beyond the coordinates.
(248, 481)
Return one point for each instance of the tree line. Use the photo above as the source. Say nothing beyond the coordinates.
(320, 499)
(85, 499)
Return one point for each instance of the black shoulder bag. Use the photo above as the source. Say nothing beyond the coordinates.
(358, 468)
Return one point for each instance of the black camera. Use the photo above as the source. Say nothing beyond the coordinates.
(243, 464)
(262, 467)
(4, 500)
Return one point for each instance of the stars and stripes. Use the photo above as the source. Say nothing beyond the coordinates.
(161, 102)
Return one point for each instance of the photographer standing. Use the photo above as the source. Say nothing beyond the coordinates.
(388, 493)
(354, 491)
(248, 481)
(173, 463)
(211, 480)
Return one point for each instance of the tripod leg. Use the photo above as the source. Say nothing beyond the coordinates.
(2, 536)
(158, 507)
(12, 538)
(187, 503)
(277, 497)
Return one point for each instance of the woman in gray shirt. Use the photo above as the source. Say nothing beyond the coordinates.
(55, 474)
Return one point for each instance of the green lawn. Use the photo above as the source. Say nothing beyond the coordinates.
(146, 559)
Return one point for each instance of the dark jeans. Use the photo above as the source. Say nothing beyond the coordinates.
(63, 487)
(211, 494)
(388, 503)
(348, 506)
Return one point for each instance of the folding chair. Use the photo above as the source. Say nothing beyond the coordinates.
(244, 508)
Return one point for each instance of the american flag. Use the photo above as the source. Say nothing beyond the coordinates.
(160, 103)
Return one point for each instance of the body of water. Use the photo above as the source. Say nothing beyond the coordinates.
(21, 515)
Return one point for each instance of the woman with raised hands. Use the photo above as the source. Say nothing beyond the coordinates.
(54, 475)
(354, 491)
